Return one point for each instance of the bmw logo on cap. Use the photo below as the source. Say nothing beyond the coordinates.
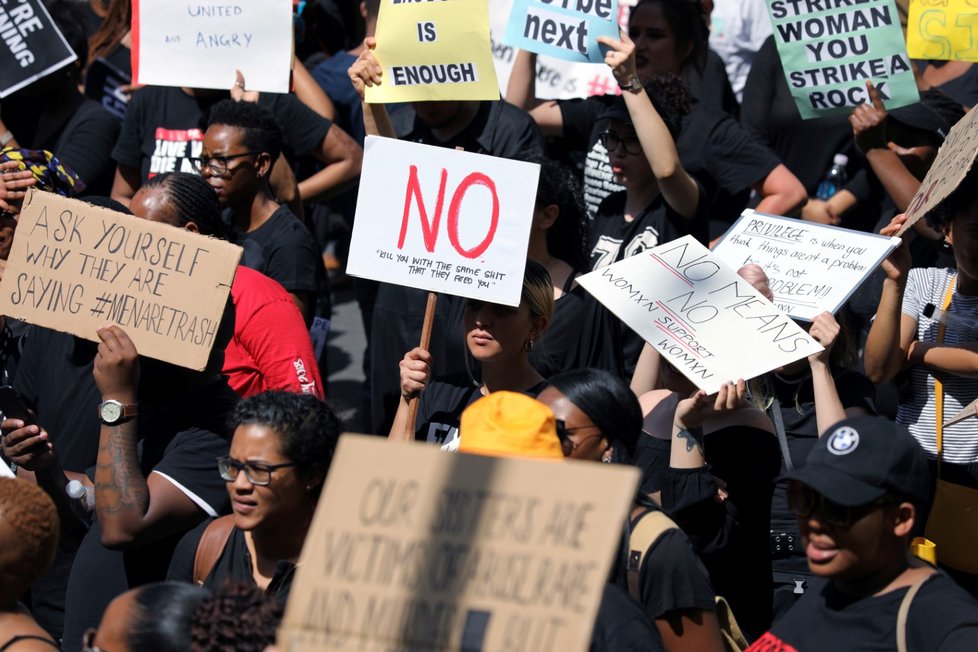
(843, 441)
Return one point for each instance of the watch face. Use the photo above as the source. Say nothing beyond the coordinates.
(111, 411)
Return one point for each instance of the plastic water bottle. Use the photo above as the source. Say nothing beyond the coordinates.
(835, 178)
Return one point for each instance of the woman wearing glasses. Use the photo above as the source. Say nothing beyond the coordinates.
(599, 419)
(282, 448)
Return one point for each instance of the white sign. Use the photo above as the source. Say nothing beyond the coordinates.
(704, 319)
(812, 267)
(442, 220)
(201, 45)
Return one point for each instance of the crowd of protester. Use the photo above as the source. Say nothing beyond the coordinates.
(155, 507)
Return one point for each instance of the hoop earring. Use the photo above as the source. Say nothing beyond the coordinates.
(528, 344)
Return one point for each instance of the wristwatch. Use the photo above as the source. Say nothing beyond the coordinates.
(6, 137)
(633, 84)
(112, 412)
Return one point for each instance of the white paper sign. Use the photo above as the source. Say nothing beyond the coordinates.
(443, 220)
(200, 45)
(812, 267)
(699, 314)
(5, 471)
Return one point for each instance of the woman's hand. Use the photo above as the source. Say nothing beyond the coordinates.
(14, 184)
(897, 264)
(868, 121)
(620, 57)
(692, 412)
(366, 70)
(825, 330)
(415, 372)
(238, 92)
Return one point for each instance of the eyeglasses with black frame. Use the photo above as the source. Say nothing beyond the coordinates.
(610, 140)
(257, 473)
(217, 164)
(88, 641)
(567, 445)
(803, 501)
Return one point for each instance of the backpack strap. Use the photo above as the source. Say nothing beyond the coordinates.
(647, 529)
(211, 545)
(904, 612)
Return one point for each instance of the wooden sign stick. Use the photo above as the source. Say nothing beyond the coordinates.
(429, 320)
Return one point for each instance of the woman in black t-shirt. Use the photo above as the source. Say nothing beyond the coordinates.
(500, 339)
(599, 420)
(282, 448)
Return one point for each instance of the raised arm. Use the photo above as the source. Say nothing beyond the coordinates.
(132, 510)
(415, 370)
(891, 333)
(677, 187)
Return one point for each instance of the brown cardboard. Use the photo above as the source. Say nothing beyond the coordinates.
(75, 267)
(415, 548)
(952, 164)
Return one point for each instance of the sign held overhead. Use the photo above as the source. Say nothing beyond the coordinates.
(31, 46)
(200, 45)
(443, 220)
(75, 267)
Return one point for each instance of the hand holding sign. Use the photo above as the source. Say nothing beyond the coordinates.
(14, 185)
(116, 367)
(897, 264)
(869, 121)
(825, 330)
(415, 372)
(694, 411)
(366, 70)
(238, 92)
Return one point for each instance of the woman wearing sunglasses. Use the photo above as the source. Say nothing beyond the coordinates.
(281, 450)
(599, 420)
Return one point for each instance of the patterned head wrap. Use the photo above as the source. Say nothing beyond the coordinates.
(52, 175)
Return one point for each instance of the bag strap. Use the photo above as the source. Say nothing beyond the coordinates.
(650, 525)
(778, 419)
(903, 613)
(211, 545)
(938, 385)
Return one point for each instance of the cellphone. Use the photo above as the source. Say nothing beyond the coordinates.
(13, 408)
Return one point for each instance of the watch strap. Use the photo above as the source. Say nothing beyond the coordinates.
(633, 84)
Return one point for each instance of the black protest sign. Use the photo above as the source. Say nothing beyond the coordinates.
(31, 47)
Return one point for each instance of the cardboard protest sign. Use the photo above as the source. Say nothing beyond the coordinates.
(434, 51)
(953, 162)
(177, 43)
(566, 29)
(812, 267)
(413, 548)
(442, 220)
(31, 46)
(942, 29)
(704, 319)
(829, 48)
(75, 267)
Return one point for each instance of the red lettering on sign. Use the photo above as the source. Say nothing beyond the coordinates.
(429, 227)
(474, 179)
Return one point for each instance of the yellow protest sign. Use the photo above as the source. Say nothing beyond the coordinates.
(434, 51)
(943, 29)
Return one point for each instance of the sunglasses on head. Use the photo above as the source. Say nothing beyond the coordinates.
(803, 501)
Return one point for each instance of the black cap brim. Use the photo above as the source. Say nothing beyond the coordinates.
(837, 486)
(617, 111)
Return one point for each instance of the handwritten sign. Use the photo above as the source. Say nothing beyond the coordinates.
(200, 45)
(943, 29)
(566, 29)
(75, 268)
(413, 549)
(709, 323)
(812, 267)
(829, 48)
(434, 51)
(953, 162)
(556, 78)
(437, 219)
(31, 46)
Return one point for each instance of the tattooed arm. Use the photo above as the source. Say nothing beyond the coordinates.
(687, 431)
(132, 509)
